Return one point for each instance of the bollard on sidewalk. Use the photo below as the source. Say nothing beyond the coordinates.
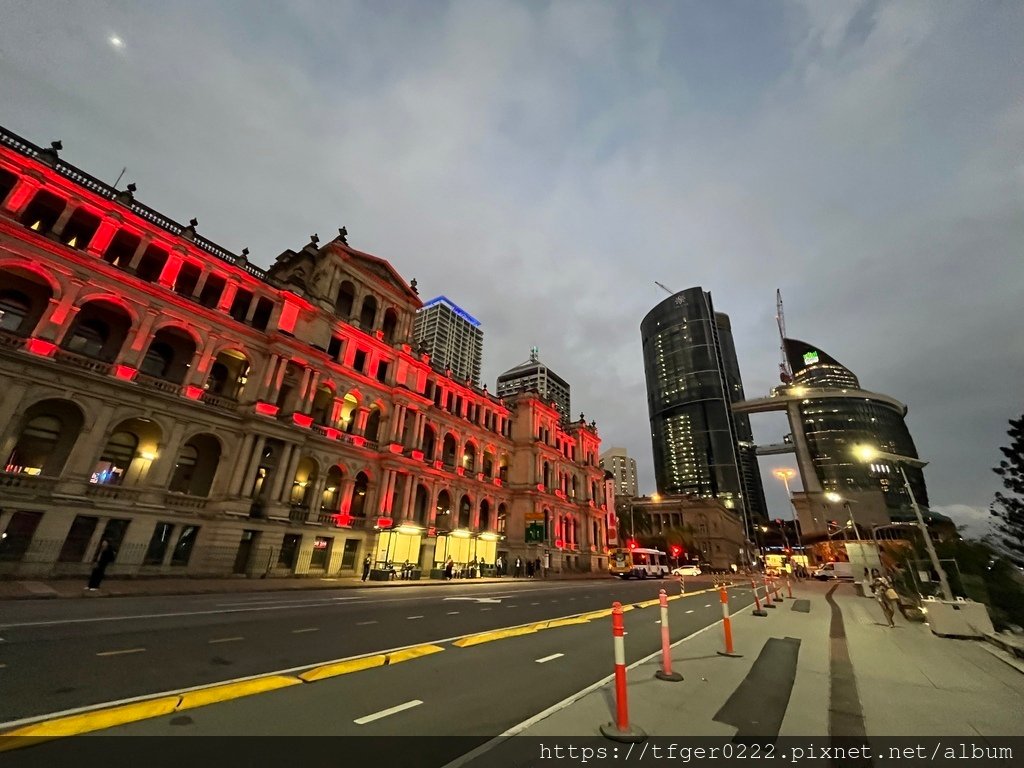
(775, 590)
(723, 595)
(789, 588)
(666, 673)
(620, 730)
(767, 595)
(758, 611)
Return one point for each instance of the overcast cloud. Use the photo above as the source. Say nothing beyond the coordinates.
(542, 164)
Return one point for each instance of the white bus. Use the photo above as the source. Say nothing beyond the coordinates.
(638, 563)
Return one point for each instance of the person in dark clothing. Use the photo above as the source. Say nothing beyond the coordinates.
(104, 557)
(366, 568)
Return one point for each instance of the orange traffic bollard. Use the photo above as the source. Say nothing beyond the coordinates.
(666, 673)
(758, 611)
(723, 595)
(620, 730)
(775, 591)
(789, 588)
(767, 594)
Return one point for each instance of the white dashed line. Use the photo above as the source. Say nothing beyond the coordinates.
(414, 617)
(453, 613)
(689, 611)
(534, 603)
(3, 666)
(387, 712)
(552, 657)
(485, 609)
(121, 653)
(225, 640)
(308, 629)
(708, 605)
(364, 623)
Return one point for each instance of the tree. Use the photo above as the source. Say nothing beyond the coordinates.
(1008, 509)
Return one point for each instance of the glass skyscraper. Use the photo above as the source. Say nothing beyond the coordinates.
(700, 447)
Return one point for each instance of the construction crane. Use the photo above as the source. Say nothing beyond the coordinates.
(666, 290)
(785, 372)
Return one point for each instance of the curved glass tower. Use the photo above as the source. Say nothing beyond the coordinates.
(836, 414)
(700, 447)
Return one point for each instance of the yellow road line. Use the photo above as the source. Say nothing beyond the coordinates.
(85, 722)
(412, 653)
(488, 637)
(343, 668)
(218, 693)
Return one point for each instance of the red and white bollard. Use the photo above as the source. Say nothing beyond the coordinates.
(789, 588)
(775, 590)
(758, 611)
(767, 594)
(723, 595)
(620, 730)
(666, 673)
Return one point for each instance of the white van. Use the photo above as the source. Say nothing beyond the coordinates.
(834, 571)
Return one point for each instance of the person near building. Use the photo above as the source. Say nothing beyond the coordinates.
(104, 556)
(449, 568)
(886, 595)
(366, 568)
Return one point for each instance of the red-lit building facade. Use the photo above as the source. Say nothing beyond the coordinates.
(207, 416)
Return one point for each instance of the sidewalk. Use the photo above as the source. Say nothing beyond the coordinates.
(794, 679)
(73, 588)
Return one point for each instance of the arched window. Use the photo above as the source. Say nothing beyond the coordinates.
(184, 469)
(443, 513)
(368, 314)
(346, 297)
(502, 519)
(88, 338)
(485, 516)
(465, 512)
(116, 458)
(359, 492)
(420, 505)
(373, 425)
(35, 444)
(429, 442)
(157, 360)
(390, 325)
(332, 491)
(14, 308)
(196, 466)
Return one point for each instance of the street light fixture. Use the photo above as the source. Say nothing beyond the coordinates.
(785, 474)
(867, 454)
(835, 498)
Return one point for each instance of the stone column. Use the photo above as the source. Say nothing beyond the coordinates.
(21, 195)
(249, 479)
(10, 407)
(200, 283)
(100, 240)
(59, 315)
(227, 297)
(159, 475)
(144, 242)
(241, 460)
(136, 343)
(62, 221)
(169, 274)
(89, 444)
(252, 307)
(348, 486)
(403, 506)
(317, 500)
(281, 474)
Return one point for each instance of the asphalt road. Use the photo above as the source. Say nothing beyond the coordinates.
(61, 655)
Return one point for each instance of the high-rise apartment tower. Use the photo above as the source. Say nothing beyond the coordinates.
(452, 337)
(533, 374)
(619, 463)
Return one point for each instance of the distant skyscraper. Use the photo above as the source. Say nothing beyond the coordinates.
(533, 374)
(618, 462)
(452, 337)
(693, 377)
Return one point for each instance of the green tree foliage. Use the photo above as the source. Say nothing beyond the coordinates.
(1008, 508)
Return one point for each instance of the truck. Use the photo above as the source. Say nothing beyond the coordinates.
(834, 571)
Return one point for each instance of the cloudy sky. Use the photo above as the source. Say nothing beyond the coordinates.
(543, 163)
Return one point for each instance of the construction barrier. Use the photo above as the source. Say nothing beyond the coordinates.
(723, 595)
(767, 595)
(666, 673)
(789, 588)
(758, 611)
(620, 730)
(775, 591)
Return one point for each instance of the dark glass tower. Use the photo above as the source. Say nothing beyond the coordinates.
(837, 414)
(700, 446)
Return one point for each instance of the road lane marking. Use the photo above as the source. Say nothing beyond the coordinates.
(708, 605)
(280, 601)
(453, 613)
(387, 712)
(307, 629)
(485, 609)
(552, 657)
(225, 640)
(364, 623)
(121, 653)
(413, 617)
(3, 666)
(534, 603)
(690, 611)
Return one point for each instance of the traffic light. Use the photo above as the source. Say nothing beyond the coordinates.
(676, 550)
(631, 544)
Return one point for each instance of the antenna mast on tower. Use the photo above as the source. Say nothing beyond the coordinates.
(785, 373)
(664, 288)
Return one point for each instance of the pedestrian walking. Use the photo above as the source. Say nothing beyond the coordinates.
(449, 568)
(886, 595)
(104, 556)
(366, 568)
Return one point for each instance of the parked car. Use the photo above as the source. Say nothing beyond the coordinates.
(686, 570)
(834, 571)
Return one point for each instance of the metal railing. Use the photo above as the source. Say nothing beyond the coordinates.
(157, 383)
(82, 361)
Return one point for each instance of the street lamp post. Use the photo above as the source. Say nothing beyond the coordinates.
(785, 474)
(836, 498)
(866, 453)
